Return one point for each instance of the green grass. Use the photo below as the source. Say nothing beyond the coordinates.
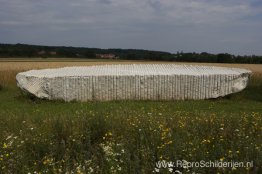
(129, 136)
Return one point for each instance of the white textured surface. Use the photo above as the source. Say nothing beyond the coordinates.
(133, 82)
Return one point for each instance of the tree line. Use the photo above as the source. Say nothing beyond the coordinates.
(32, 51)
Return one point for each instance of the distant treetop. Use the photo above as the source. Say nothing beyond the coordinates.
(31, 51)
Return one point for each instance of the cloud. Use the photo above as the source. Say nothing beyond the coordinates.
(183, 11)
(121, 11)
(166, 25)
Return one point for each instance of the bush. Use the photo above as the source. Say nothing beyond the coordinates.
(1, 87)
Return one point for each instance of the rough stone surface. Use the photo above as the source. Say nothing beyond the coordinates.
(133, 82)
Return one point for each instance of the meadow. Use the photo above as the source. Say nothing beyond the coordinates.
(40, 136)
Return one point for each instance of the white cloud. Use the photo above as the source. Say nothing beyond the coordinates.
(121, 11)
(149, 24)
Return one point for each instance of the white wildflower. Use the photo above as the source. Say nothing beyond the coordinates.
(10, 136)
(91, 170)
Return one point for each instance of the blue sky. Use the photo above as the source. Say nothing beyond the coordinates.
(216, 26)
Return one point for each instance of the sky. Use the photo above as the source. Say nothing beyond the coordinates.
(214, 26)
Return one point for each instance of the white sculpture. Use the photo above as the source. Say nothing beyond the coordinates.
(133, 82)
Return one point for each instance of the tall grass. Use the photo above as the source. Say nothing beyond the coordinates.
(7, 78)
(39, 136)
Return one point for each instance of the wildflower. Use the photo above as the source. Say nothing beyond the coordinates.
(9, 137)
(91, 170)
(222, 158)
(167, 130)
(47, 161)
(169, 142)
(206, 141)
(4, 146)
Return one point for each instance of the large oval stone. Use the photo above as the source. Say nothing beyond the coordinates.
(133, 82)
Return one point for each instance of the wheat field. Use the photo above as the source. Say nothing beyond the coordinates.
(26, 65)
(8, 69)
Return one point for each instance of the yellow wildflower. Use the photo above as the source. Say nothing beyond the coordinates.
(4, 146)
(222, 158)
(169, 142)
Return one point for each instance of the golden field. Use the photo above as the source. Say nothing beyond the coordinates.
(26, 64)
(10, 67)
